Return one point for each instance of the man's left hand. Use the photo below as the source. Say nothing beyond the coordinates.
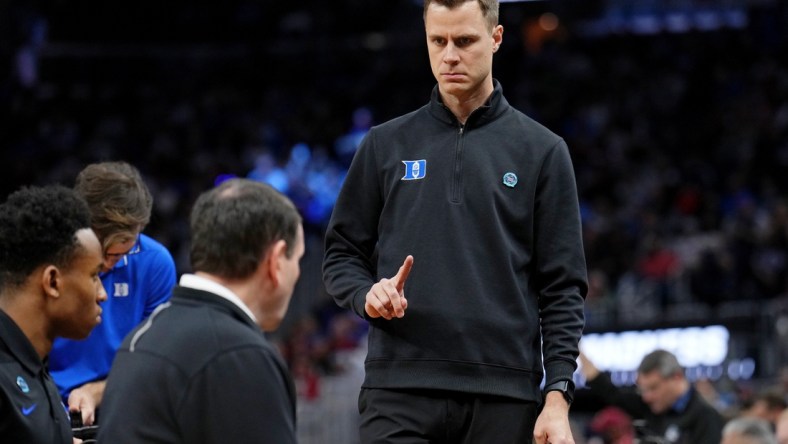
(552, 425)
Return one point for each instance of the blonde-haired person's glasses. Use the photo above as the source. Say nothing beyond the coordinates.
(119, 251)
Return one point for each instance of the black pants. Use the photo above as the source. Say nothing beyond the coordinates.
(431, 416)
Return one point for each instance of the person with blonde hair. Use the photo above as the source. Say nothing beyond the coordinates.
(138, 274)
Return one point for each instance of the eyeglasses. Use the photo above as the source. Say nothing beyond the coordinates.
(134, 248)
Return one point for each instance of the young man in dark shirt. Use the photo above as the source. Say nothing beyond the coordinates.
(49, 287)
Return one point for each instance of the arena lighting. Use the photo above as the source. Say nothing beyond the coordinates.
(692, 346)
(702, 351)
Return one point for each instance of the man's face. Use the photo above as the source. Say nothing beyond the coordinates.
(461, 47)
(81, 290)
(116, 250)
(658, 392)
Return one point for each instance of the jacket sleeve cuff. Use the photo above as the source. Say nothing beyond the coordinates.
(559, 370)
(359, 301)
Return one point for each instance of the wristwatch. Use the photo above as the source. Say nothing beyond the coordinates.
(566, 387)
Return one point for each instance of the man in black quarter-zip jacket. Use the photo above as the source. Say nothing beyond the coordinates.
(457, 236)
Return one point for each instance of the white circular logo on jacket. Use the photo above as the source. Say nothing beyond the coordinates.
(20, 381)
(510, 180)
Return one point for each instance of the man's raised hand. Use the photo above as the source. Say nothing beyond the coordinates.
(386, 298)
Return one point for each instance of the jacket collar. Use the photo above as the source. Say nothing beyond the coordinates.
(197, 282)
(681, 404)
(191, 296)
(495, 105)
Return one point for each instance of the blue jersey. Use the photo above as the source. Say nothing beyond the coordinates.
(139, 282)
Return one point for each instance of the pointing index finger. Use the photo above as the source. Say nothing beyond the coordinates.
(402, 274)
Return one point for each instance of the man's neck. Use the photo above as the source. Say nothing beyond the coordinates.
(31, 321)
(462, 106)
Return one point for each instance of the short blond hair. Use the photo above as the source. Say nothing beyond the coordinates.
(490, 8)
(119, 201)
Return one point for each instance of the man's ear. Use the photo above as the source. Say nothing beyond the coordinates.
(51, 281)
(276, 256)
(497, 36)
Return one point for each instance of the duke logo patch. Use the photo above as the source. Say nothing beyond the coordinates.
(415, 169)
(121, 290)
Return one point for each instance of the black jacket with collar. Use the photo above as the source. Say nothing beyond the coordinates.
(491, 217)
(30, 408)
(198, 371)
